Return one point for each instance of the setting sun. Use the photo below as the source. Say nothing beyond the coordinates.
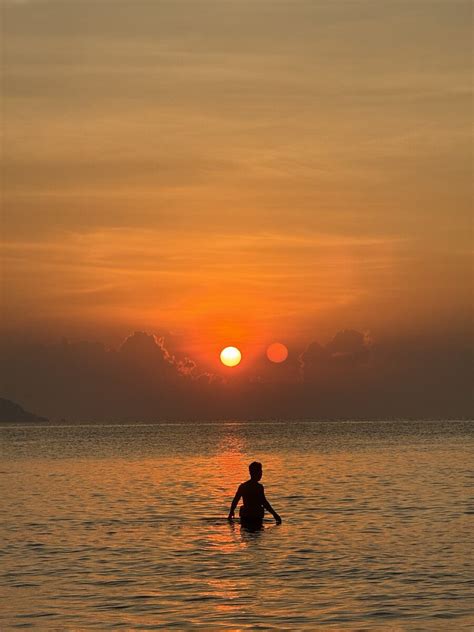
(277, 352)
(231, 356)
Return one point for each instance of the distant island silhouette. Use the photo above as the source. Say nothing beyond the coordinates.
(14, 413)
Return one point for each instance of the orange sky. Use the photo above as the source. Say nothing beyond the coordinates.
(236, 172)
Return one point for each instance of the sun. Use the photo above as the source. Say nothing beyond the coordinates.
(277, 352)
(231, 356)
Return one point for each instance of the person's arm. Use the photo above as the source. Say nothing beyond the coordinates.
(237, 497)
(269, 508)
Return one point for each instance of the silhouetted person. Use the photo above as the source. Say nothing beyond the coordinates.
(254, 502)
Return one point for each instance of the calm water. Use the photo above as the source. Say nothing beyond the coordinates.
(109, 526)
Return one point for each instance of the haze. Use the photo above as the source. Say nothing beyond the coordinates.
(239, 172)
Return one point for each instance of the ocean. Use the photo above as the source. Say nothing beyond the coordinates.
(124, 526)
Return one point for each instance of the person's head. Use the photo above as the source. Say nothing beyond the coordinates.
(255, 470)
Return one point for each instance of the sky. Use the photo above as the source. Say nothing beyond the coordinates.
(238, 172)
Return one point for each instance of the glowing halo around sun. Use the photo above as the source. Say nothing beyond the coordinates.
(231, 356)
(277, 352)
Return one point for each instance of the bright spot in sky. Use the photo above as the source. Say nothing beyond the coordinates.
(231, 356)
(277, 352)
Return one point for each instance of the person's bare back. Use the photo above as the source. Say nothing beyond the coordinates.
(253, 496)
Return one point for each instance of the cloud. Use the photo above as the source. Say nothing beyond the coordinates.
(146, 379)
(349, 349)
(313, 359)
(349, 346)
(85, 380)
(147, 352)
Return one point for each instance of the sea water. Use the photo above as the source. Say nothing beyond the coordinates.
(109, 526)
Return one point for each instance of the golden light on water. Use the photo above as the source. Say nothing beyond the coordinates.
(231, 356)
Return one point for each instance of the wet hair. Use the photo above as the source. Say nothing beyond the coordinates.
(255, 468)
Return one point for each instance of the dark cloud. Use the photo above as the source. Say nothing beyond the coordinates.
(350, 345)
(148, 353)
(144, 379)
(349, 349)
(85, 380)
(313, 360)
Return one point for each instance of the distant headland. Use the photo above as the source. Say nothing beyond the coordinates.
(14, 413)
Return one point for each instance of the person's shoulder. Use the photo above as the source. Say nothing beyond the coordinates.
(247, 484)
